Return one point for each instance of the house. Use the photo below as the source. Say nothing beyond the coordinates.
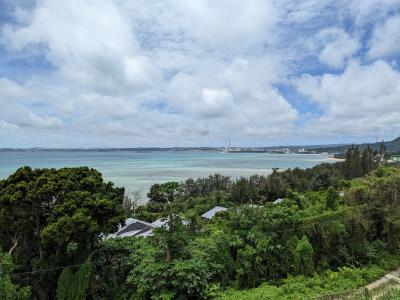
(136, 228)
(211, 213)
(133, 227)
(277, 201)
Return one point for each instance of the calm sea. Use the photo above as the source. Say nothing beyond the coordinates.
(137, 171)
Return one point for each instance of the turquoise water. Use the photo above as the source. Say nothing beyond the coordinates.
(137, 171)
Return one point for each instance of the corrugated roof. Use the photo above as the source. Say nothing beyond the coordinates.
(132, 227)
(210, 214)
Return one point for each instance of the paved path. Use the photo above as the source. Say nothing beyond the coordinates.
(392, 276)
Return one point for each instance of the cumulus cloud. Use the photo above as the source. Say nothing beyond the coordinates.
(386, 39)
(236, 95)
(163, 72)
(90, 42)
(364, 99)
(336, 46)
(366, 11)
(229, 24)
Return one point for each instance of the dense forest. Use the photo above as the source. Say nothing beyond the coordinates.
(336, 223)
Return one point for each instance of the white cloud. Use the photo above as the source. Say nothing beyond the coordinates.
(336, 46)
(228, 24)
(366, 11)
(361, 100)
(10, 90)
(158, 72)
(90, 42)
(386, 39)
(235, 96)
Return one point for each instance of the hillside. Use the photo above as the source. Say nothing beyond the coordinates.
(391, 146)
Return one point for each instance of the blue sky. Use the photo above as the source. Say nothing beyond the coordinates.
(114, 73)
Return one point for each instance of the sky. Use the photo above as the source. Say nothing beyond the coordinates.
(138, 73)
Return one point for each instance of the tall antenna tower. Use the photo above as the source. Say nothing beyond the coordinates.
(227, 145)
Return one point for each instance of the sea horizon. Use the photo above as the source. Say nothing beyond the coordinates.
(137, 171)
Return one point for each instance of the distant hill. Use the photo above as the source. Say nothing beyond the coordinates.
(392, 147)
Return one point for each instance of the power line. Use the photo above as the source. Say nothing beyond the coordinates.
(276, 230)
(45, 270)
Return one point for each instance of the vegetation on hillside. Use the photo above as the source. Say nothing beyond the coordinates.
(336, 228)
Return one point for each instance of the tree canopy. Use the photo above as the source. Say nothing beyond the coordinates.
(51, 217)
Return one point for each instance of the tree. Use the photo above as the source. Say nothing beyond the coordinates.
(162, 193)
(9, 290)
(367, 160)
(173, 236)
(131, 203)
(304, 257)
(332, 198)
(352, 165)
(297, 198)
(241, 191)
(155, 194)
(50, 218)
(275, 185)
(75, 285)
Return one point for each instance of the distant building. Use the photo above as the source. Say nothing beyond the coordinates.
(211, 213)
(395, 158)
(277, 201)
(133, 227)
(137, 228)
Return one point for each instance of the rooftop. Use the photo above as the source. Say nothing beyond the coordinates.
(211, 213)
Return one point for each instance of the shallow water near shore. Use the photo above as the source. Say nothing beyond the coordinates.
(137, 171)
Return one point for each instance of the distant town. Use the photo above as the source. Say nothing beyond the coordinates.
(336, 150)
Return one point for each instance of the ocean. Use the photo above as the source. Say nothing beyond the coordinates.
(137, 171)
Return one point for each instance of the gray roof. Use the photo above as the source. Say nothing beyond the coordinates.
(133, 227)
(159, 222)
(211, 213)
(164, 222)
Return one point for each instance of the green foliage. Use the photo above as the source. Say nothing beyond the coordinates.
(173, 236)
(9, 290)
(304, 257)
(308, 233)
(179, 279)
(50, 218)
(357, 165)
(296, 197)
(332, 198)
(74, 285)
(113, 261)
(163, 193)
(301, 287)
(205, 186)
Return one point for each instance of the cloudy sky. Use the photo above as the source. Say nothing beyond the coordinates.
(117, 73)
